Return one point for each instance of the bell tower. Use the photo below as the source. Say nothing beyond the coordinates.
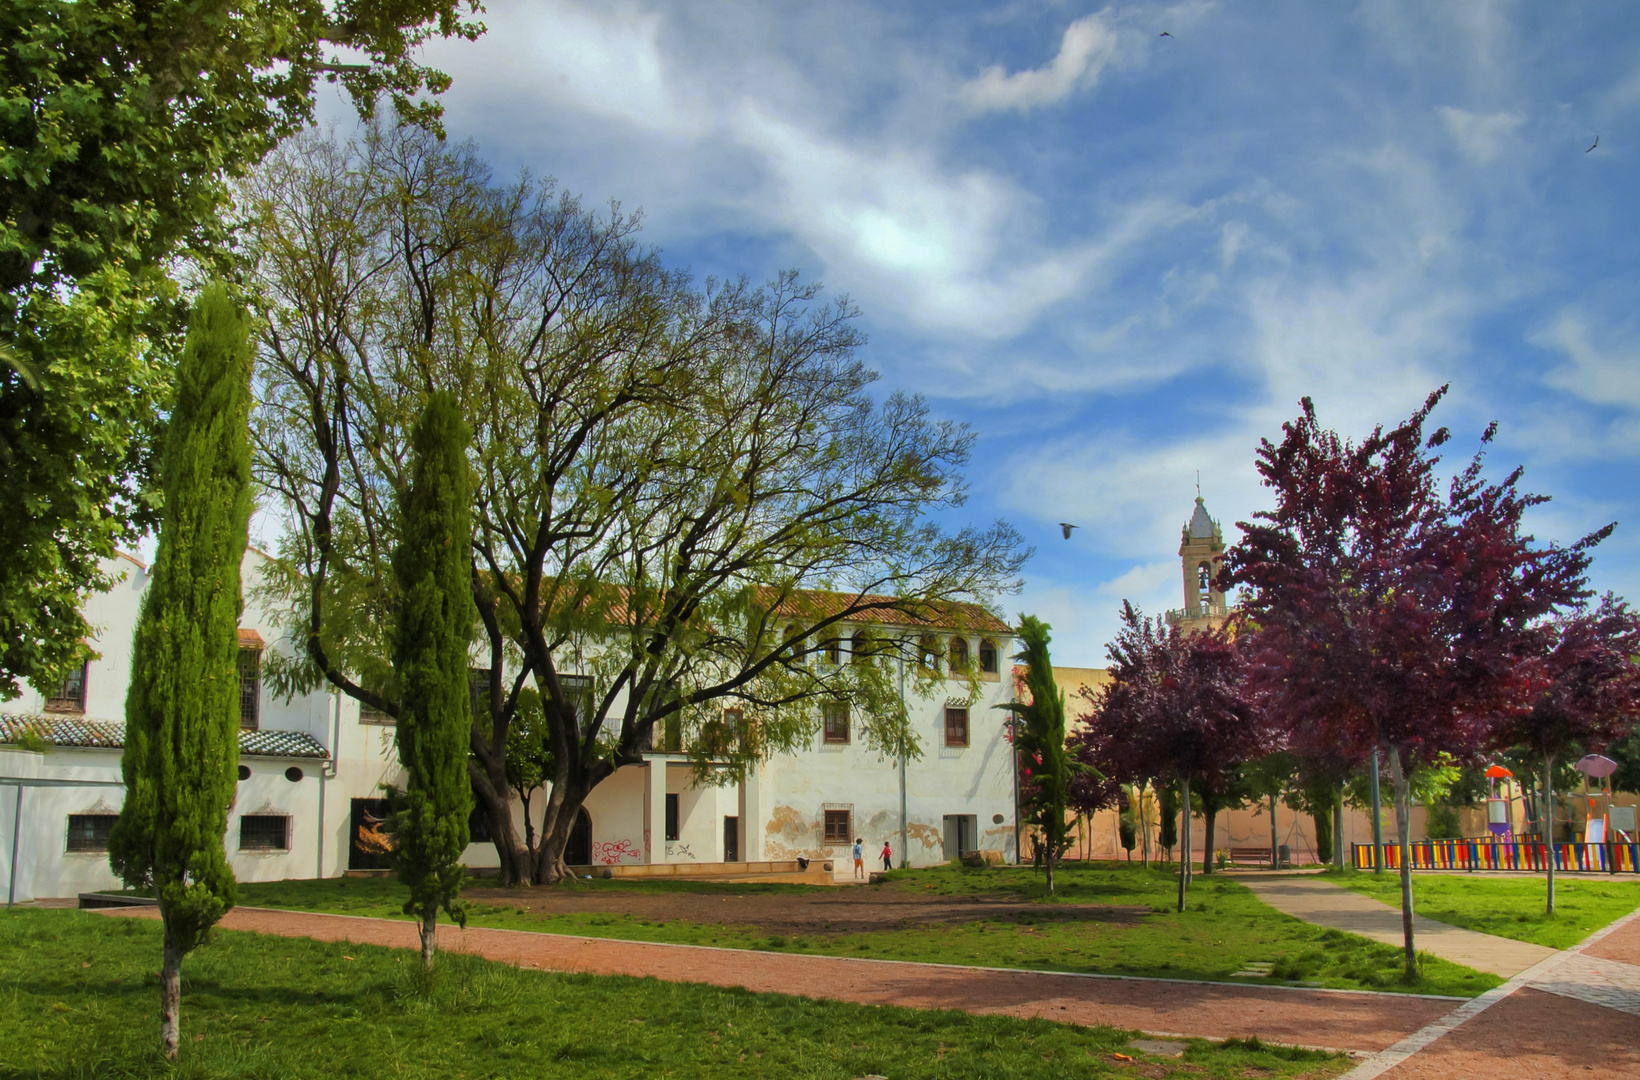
(1201, 556)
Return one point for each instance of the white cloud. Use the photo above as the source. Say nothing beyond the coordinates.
(1602, 373)
(1482, 137)
(1088, 45)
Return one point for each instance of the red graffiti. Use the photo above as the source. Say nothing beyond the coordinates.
(615, 851)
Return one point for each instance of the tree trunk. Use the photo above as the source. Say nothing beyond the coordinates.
(1184, 861)
(1209, 816)
(1547, 816)
(493, 794)
(429, 930)
(1377, 820)
(1323, 835)
(1275, 846)
(1338, 828)
(1144, 827)
(1403, 835)
(1049, 860)
(170, 998)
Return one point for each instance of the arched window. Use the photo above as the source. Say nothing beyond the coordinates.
(799, 646)
(1204, 580)
(959, 655)
(859, 648)
(928, 653)
(987, 657)
(832, 649)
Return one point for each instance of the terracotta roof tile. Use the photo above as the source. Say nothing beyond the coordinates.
(110, 735)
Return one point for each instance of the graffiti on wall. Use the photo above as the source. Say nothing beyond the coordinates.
(615, 851)
(675, 850)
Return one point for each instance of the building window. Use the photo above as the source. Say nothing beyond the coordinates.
(478, 691)
(264, 832)
(834, 716)
(369, 715)
(478, 826)
(839, 827)
(799, 645)
(988, 657)
(250, 688)
(69, 697)
(928, 653)
(832, 650)
(859, 648)
(671, 817)
(89, 832)
(956, 727)
(958, 655)
(578, 693)
(1204, 581)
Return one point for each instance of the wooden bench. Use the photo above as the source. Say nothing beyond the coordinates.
(1260, 855)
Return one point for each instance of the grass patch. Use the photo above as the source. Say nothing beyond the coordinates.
(1224, 928)
(1507, 907)
(78, 992)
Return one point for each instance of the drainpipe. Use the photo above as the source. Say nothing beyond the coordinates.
(16, 838)
(905, 833)
(1013, 744)
(326, 770)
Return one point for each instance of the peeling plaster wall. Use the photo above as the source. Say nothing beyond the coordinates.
(974, 780)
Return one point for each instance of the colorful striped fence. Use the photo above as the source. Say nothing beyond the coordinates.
(1488, 854)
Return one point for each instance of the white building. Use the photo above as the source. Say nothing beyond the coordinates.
(311, 771)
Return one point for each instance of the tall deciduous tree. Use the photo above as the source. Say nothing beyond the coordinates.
(182, 709)
(433, 570)
(667, 476)
(1176, 709)
(1586, 694)
(1039, 735)
(121, 127)
(1390, 615)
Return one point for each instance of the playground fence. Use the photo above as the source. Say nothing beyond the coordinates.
(1613, 858)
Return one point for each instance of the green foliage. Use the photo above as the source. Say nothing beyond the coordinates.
(182, 708)
(1441, 821)
(1039, 737)
(1127, 823)
(435, 622)
(1167, 837)
(1509, 907)
(121, 126)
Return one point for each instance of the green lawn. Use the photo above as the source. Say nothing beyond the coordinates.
(78, 995)
(1224, 929)
(1507, 907)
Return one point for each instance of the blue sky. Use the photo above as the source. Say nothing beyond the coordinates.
(1123, 257)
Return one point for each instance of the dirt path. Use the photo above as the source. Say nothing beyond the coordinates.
(811, 911)
(1344, 1020)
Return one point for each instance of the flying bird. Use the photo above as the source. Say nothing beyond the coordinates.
(1164, 33)
(1596, 143)
(1066, 527)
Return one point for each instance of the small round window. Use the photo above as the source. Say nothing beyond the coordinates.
(293, 774)
(244, 772)
(996, 819)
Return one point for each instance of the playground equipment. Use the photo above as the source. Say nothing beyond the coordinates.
(1500, 818)
(1597, 827)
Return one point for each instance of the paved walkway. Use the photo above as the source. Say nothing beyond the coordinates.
(1325, 904)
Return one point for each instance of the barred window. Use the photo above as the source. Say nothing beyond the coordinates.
(69, 697)
(988, 657)
(956, 727)
(250, 688)
(834, 716)
(839, 827)
(264, 832)
(89, 832)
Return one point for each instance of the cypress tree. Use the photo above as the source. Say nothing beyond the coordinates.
(1041, 739)
(430, 641)
(182, 709)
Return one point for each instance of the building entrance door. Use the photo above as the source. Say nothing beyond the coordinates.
(961, 834)
(578, 849)
(731, 839)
